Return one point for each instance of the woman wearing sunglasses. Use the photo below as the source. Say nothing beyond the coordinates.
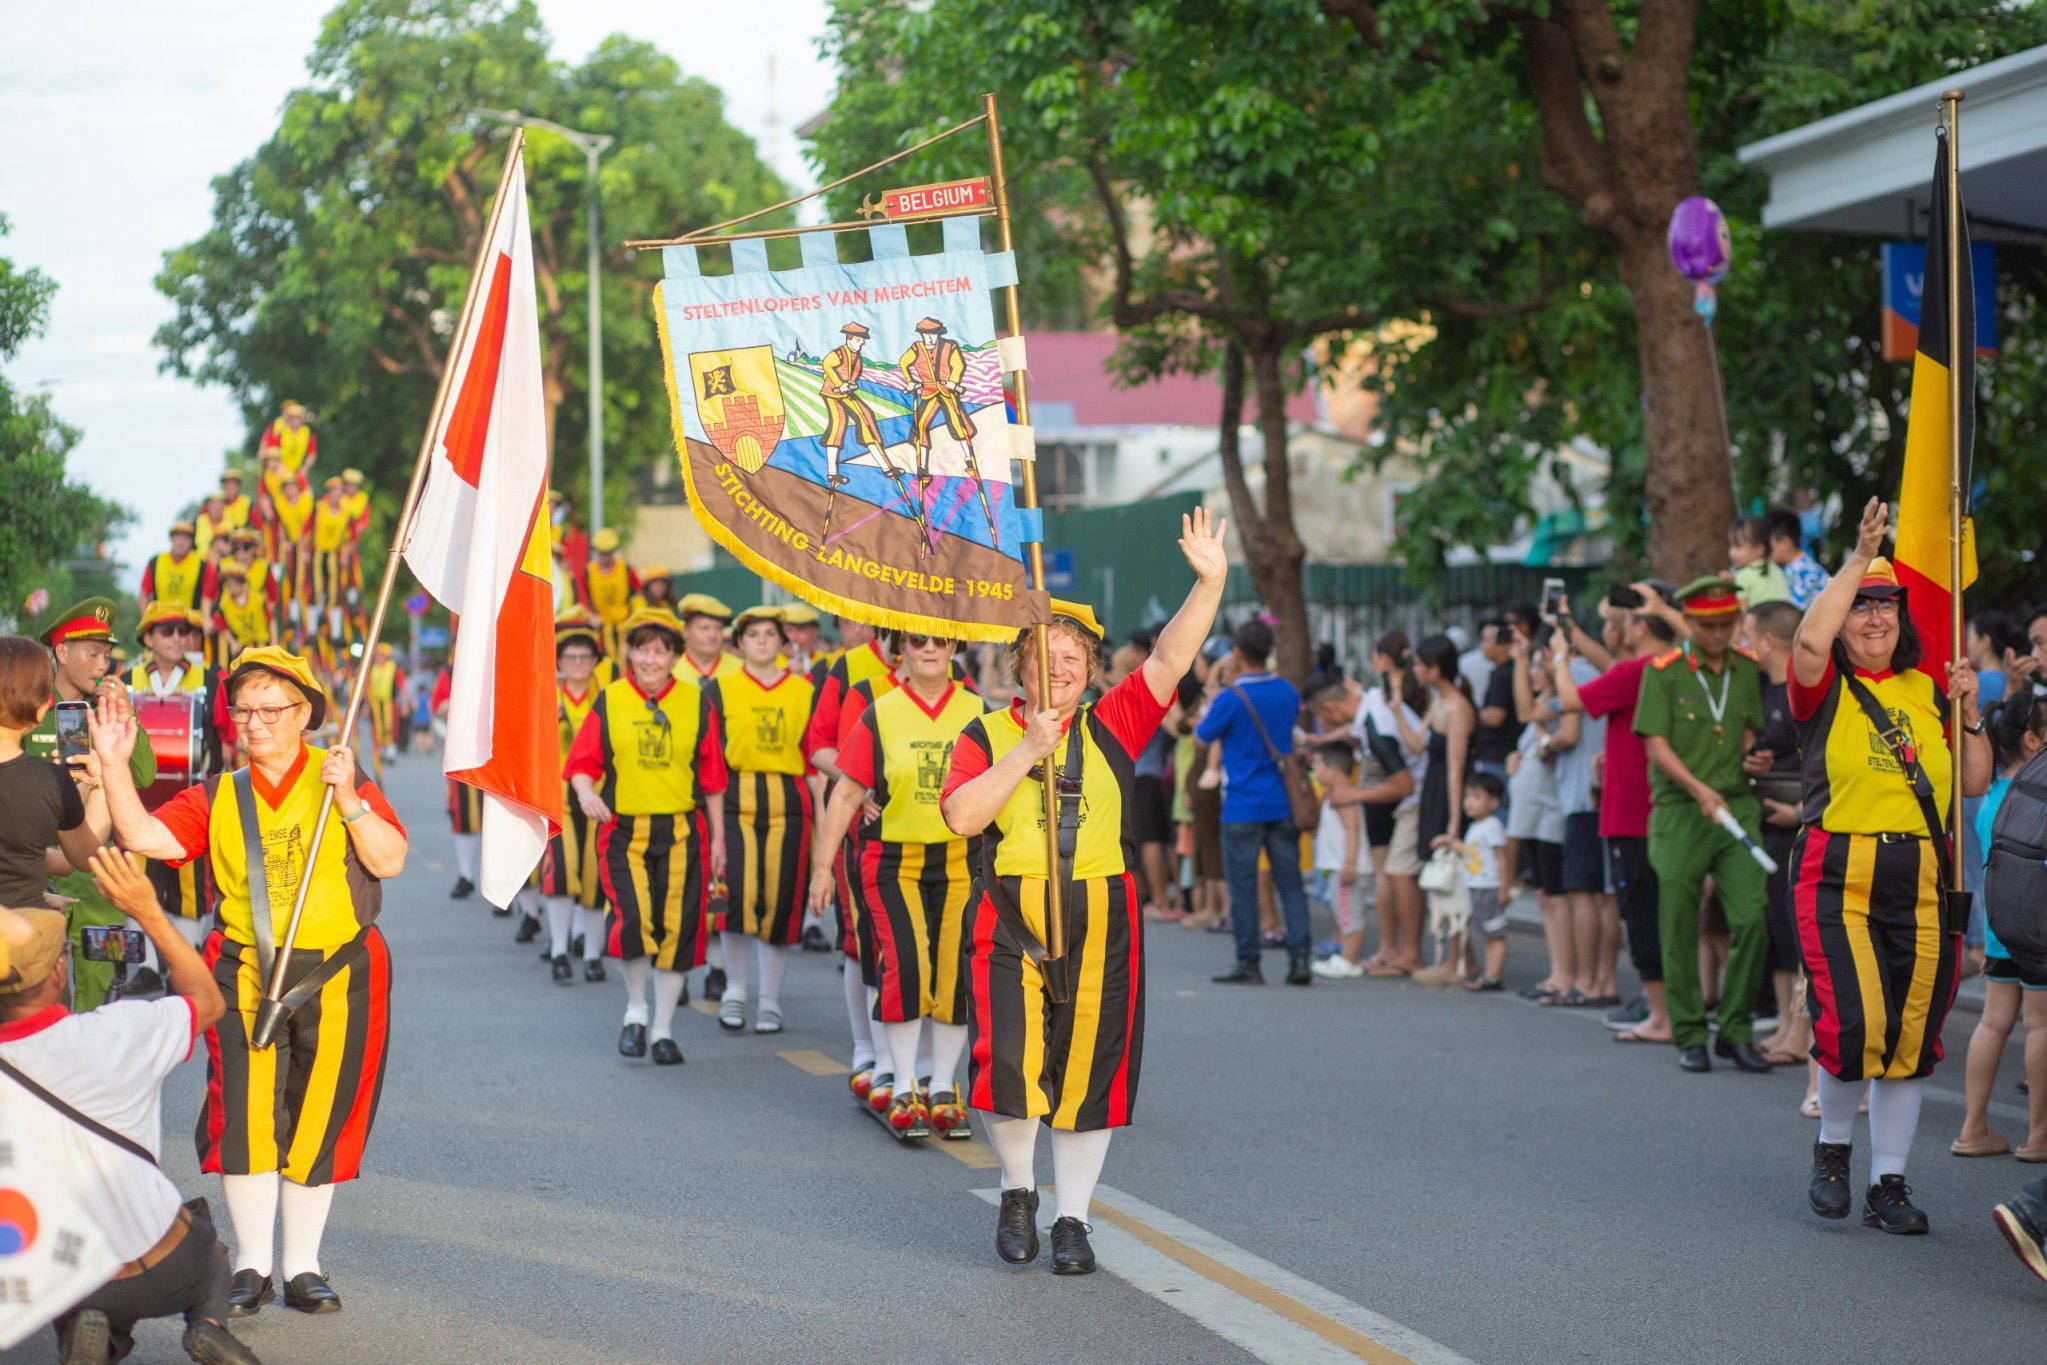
(1870, 866)
(648, 766)
(909, 877)
(762, 708)
(302, 1110)
(1074, 1064)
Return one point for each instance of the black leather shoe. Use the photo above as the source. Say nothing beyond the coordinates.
(211, 1344)
(814, 940)
(247, 1292)
(632, 1040)
(1243, 974)
(464, 888)
(1743, 1055)
(666, 1053)
(593, 970)
(309, 1292)
(1016, 1227)
(714, 984)
(1888, 1205)
(85, 1340)
(1071, 1255)
(529, 929)
(1828, 1193)
(563, 973)
(1694, 1058)
(1297, 973)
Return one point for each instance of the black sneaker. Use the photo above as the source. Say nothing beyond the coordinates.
(214, 1345)
(564, 974)
(1828, 1192)
(1635, 1012)
(1888, 1205)
(714, 984)
(85, 1339)
(1016, 1227)
(1247, 972)
(2023, 1221)
(1297, 973)
(632, 1040)
(1071, 1255)
(463, 889)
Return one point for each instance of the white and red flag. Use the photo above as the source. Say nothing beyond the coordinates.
(479, 544)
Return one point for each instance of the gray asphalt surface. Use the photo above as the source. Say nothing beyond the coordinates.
(1498, 1177)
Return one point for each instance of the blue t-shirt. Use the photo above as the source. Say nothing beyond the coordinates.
(1986, 817)
(1252, 791)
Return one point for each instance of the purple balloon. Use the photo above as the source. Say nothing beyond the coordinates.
(1699, 244)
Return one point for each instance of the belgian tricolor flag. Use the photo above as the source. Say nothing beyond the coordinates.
(1923, 561)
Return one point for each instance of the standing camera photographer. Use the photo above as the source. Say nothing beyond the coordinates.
(87, 1092)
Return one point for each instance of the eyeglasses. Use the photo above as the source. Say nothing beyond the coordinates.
(919, 641)
(1882, 606)
(269, 715)
(660, 716)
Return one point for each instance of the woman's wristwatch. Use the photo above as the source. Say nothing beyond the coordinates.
(1975, 729)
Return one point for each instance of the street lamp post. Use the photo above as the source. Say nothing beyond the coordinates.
(592, 145)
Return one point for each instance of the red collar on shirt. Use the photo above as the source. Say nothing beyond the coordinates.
(780, 678)
(634, 683)
(932, 710)
(34, 1024)
(273, 797)
(1016, 713)
(1872, 675)
(701, 671)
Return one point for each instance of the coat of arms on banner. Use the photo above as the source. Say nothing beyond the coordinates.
(843, 431)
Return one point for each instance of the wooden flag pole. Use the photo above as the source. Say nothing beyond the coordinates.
(1951, 104)
(270, 1011)
(1034, 560)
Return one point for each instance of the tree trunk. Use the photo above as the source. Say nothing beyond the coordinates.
(1689, 484)
(1272, 551)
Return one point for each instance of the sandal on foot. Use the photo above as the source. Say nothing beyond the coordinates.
(1569, 1000)
(1484, 983)
(1388, 969)
(1996, 1144)
(1631, 1036)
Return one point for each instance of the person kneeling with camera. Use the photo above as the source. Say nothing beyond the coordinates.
(87, 1090)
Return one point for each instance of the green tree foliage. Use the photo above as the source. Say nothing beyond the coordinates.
(340, 250)
(54, 534)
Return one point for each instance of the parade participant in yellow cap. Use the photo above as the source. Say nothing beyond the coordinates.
(570, 882)
(356, 498)
(657, 589)
(1071, 1064)
(292, 503)
(303, 1110)
(800, 627)
(332, 530)
(235, 504)
(761, 709)
(211, 523)
(649, 767)
(386, 682)
(704, 655)
(241, 617)
(179, 574)
(291, 440)
(607, 586)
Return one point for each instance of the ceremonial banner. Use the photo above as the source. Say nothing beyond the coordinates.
(480, 545)
(1923, 547)
(842, 428)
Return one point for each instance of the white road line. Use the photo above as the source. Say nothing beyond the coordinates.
(1271, 1313)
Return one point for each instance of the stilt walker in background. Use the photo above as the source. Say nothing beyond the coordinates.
(912, 881)
(608, 584)
(241, 617)
(331, 523)
(291, 440)
(762, 708)
(649, 766)
(569, 875)
(1071, 1065)
(387, 682)
(283, 1126)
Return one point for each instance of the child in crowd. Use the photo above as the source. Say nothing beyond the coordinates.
(1484, 836)
(1339, 849)
(1756, 579)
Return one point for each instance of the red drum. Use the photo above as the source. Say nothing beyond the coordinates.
(176, 731)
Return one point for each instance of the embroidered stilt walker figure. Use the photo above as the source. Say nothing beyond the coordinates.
(936, 371)
(844, 407)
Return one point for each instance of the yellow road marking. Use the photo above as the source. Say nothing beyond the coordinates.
(811, 1062)
(1292, 1309)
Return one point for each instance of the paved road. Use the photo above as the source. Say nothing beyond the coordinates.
(1362, 1170)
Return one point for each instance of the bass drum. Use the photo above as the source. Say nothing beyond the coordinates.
(174, 728)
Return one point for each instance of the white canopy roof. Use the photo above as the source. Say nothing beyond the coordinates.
(1869, 170)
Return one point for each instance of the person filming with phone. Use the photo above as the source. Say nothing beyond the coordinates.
(49, 822)
(86, 1091)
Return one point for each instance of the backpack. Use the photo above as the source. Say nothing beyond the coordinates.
(2015, 879)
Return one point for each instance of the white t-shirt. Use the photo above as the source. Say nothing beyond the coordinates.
(1375, 708)
(1485, 839)
(1330, 839)
(108, 1064)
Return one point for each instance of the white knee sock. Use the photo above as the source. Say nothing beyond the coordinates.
(1016, 1145)
(773, 960)
(948, 1041)
(831, 462)
(468, 856)
(1076, 1166)
(526, 900)
(714, 953)
(856, 1015)
(924, 1051)
(1893, 1119)
(732, 951)
(1838, 1102)
(902, 1049)
(590, 924)
(252, 1213)
(638, 973)
(667, 995)
(305, 1219)
(560, 910)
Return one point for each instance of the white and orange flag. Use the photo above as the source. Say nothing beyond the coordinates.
(479, 544)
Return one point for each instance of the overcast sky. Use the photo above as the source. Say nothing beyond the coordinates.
(115, 117)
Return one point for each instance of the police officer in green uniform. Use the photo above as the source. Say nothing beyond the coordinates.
(81, 639)
(1700, 709)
